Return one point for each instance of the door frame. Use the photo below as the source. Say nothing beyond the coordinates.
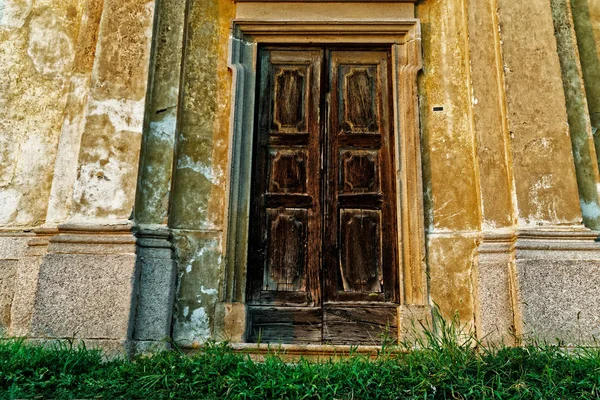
(403, 36)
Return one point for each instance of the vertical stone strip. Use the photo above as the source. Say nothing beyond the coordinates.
(452, 200)
(156, 288)
(198, 199)
(491, 273)
(26, 282)
(156, 166)
(13, 246)
(492, 283)
(580, 128)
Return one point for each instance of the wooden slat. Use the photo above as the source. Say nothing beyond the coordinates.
(285, 325)
(288, 200)
(297, 139)
(357, 324)
(275, 298)
(359, 141)
(366, 201)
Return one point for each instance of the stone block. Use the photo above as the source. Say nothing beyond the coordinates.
(8, 270)
(12, 247)
(26, 284)
(559, 299)
(85, 296)
(494, 317)
(230, 322)
(556, 285)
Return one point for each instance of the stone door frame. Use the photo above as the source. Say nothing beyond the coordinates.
(404, 38)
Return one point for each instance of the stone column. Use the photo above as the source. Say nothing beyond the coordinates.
(153, 195)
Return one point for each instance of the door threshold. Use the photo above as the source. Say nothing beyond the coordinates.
(313, 351)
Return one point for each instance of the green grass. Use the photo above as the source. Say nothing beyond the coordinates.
(444, 367)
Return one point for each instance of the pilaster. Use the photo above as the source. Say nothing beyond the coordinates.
(545, 184)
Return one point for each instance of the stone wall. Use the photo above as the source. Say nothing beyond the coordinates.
(115, 124)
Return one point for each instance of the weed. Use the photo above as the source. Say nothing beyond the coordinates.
(446, 363)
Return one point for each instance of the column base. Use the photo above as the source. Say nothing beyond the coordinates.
(87, 284)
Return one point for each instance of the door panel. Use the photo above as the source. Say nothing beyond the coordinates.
(286, 209)
(359, 196)
(322, 253)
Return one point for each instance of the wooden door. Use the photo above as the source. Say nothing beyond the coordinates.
(360, 266)
(322, 254)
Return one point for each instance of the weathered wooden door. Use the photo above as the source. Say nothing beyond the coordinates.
(322, 254)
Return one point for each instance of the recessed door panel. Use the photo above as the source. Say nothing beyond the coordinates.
(360, 252)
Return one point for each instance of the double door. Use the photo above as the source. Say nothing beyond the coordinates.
(323, 262)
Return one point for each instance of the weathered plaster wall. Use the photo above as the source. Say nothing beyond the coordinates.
(507, 147)
(198, 200)
(73, 83)
(543, 166)
(38, 42)
(108, 157)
